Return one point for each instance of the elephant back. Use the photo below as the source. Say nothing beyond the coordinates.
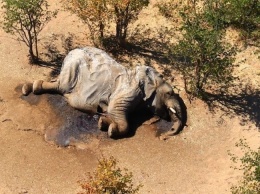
(88, 76)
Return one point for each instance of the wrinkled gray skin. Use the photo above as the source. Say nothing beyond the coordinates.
(91, 81)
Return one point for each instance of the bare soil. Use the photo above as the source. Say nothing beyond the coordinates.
(47, 147)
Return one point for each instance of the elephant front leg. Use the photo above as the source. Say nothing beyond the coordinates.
(118, 110)
(119, 128)
(114, 128)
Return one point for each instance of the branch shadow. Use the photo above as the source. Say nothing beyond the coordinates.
(145, 48)
(54, 55)
(57, 46)
(246, 103)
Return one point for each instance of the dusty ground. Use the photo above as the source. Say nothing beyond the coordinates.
(33, 130)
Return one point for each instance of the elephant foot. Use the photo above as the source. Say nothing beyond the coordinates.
(37, 86)
(27, 89)
(112, 130)
(103, 123)
(100, 124)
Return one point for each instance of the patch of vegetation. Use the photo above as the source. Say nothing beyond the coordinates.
(110, 179)
(243, 15)
(249, 163)
(100, 15)
(25, 19)
(200, 55)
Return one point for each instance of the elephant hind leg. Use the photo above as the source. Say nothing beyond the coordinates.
(39, 87)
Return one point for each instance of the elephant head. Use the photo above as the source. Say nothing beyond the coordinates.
(161, 99)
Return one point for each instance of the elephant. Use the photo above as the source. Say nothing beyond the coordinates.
(92, 82)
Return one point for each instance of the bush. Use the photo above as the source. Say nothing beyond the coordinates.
(94, 13)
(100, 14)
(201, 56)
(249, 163)
(126, 11)
(26, 19)
(110, 179)
(244, 15)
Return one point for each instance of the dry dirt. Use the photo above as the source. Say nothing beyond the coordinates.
(34, 129)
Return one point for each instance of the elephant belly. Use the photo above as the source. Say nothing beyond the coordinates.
(92, 96)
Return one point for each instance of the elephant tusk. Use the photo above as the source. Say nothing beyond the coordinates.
(172, 109)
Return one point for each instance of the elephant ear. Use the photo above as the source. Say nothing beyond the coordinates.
(150, 79)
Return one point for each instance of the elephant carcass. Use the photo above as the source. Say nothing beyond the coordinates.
(92, 81)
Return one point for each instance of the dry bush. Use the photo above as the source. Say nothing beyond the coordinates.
(110, 179)
(100, 15)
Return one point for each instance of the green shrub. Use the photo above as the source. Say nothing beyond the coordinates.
(200, 55)
(110, 179)
(26, 19)
(244, 15)
(249, 163)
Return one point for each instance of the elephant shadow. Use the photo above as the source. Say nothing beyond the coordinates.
(136, 119)
(143, 114)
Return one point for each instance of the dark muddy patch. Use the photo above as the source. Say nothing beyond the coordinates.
(75, 126)
(72, 127)
(77, 129)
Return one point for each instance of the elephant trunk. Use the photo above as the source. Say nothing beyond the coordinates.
(175, 112)
(177, 123)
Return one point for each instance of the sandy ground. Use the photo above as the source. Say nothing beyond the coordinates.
(34, 130)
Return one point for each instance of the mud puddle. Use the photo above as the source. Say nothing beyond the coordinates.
(75, 127)
(68, 126)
